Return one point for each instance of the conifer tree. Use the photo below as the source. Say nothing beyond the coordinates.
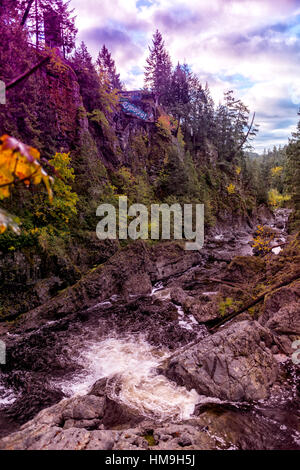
(87, 77)
(106, 65)
(66, 22)
(293, 173)
(158, 69)
(179, 94)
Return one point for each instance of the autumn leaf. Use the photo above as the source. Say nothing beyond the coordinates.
(19, 163)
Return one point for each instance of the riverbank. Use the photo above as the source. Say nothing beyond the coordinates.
(139, 365)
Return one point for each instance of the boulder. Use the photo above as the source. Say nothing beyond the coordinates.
(286, 321)
(234, 364)
(84, 408)
(278, 299)
(180, 297)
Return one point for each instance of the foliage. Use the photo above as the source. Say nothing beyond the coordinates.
(108, 97)
(231, 188)
(262, 239)
(277, 170)
(88, 79)
(63, 207)
(275, 199)
(164, 125)
(293, 175)
(8, 221)
(266, 172)
(158, 69)
(99, 117)
(19, 163)
(228, 306)
(107, 68)
(150, 439)
(60, 9)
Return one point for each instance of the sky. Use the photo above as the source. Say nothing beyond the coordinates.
(249, 46)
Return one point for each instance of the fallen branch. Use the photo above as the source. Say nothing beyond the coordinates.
(224, 281)
(27, 74)
(215, 280)
(256, 301)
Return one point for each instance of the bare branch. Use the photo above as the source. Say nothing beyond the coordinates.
(27, 74)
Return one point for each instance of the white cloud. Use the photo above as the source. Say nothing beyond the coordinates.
(217, 39)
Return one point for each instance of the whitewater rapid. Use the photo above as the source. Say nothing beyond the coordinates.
(130, 364)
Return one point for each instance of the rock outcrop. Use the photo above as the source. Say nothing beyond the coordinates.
(129, 273)
(234, 364)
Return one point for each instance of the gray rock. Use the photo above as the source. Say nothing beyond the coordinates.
(84, 408)
(280, 299)
(287, 320)
(234, 364)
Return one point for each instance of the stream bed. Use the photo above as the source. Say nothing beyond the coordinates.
(126, 342)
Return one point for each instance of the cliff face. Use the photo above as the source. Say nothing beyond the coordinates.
(63, 91)
(111, 153)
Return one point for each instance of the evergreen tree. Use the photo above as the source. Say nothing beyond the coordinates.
(197, 123)
(179, 96)
(65, 23)
(233, 132)
(158, 69)
(106, 66)
(87, 77)
(293, 173)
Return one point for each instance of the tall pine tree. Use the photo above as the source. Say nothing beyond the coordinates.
(293, 174)
(106, 66)
(158, 69)
(87, 77)
(62, 21)
(179, 95)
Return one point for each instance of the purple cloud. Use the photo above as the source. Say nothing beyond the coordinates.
(252, 46)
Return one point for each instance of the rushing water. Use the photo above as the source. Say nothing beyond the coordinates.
(130, 365)
(125, 346)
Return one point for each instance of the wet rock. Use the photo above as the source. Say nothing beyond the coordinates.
(279, 299)
(184, 440)
(37, 394)
(127, 273)
(264, 215)
(180, 297)
(169, 259)
(286, 321)
(84, 408)
(203, 311)
(235, 364)
(120, 415)
(99, 388)
(47, 287)
(137, 285)
(88, 424)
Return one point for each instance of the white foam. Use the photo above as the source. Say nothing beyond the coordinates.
(7, 396)
(130, 364)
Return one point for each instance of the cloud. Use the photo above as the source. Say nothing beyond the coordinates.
(121, 45)
(113, 37)
(251, 46)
